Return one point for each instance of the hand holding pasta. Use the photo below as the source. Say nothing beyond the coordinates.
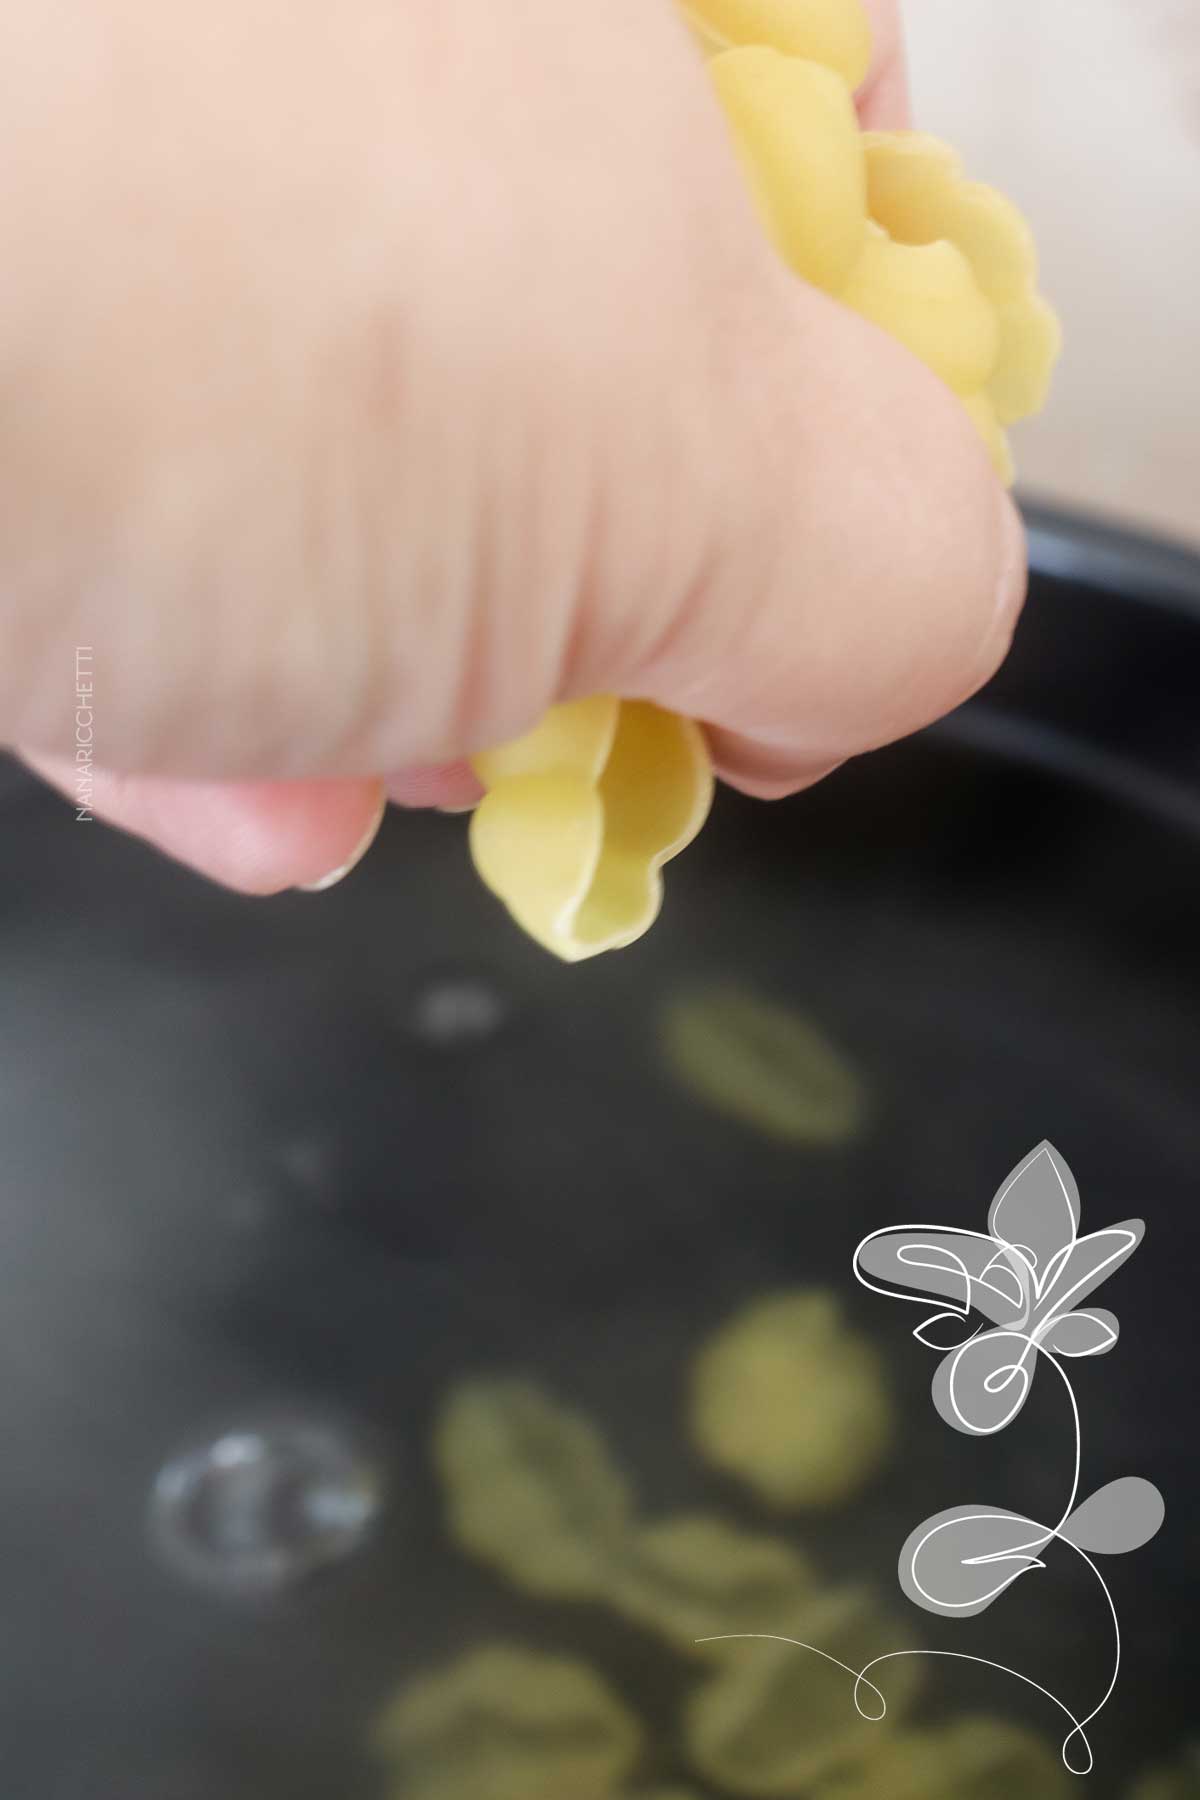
(380, 378)
(888, 224)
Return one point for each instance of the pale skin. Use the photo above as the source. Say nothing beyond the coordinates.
(374, 376)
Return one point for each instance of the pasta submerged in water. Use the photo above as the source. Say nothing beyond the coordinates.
(792, 1402)
(581, 814)
(532, 1491)
(508, 1723)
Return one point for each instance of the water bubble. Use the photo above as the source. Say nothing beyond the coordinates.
(261, 1507)
(457, 1010)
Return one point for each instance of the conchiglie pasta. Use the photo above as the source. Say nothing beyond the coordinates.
(796, 132)
(925, 296)
(834, 33)
(580, 816)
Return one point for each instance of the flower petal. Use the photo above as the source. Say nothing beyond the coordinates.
(1079, 1334)
(1036, 1210)
(1121, 1516)
(1084, 1265)
(980, 1388)
(935, 1263)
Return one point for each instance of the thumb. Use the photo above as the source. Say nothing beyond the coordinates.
(866, 569)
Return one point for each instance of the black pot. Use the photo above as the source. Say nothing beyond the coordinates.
(278, 1176)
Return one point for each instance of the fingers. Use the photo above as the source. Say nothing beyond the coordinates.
(542, 415)
(868, 570)
(450, 786)
(255, 837)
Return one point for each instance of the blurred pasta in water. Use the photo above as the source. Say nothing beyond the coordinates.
(778, 1719)
(764, 1064)
(581, 814)
(532, 1491)
(791, 1401)
(508, 1723)
(1180, 1781)
(973, 1759)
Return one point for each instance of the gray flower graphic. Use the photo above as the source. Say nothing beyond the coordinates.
(1025, 1277)
(1026, 1274)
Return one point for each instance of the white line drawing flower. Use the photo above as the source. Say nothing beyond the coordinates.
(1026, 1274)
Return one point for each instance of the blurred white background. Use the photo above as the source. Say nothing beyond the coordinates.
(1088, 113)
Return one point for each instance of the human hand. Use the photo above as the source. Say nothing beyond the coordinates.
(375, 378)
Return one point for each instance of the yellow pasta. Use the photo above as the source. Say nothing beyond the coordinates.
(927, 297)
(532, 1491)
(795, 127)
(780, 1719)
(973, 1759)
(792, 1402)
(763, 1064)
(581, 814)
(834, 33)
(918, 193)
(507, 1723)
(531, 1488)
(1178, 1782)
(694, 1579)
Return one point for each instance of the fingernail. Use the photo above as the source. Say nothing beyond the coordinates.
(764, 773)
(360, 850)
(454, 810)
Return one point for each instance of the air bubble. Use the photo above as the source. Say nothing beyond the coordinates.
(262, 1507)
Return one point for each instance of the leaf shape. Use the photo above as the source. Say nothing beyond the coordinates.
(980, 1388)
(935, 1262)
(960, 1560)
(531, 1488)
(1079, 1333)
(1123, 1515)
(1036, 1209)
